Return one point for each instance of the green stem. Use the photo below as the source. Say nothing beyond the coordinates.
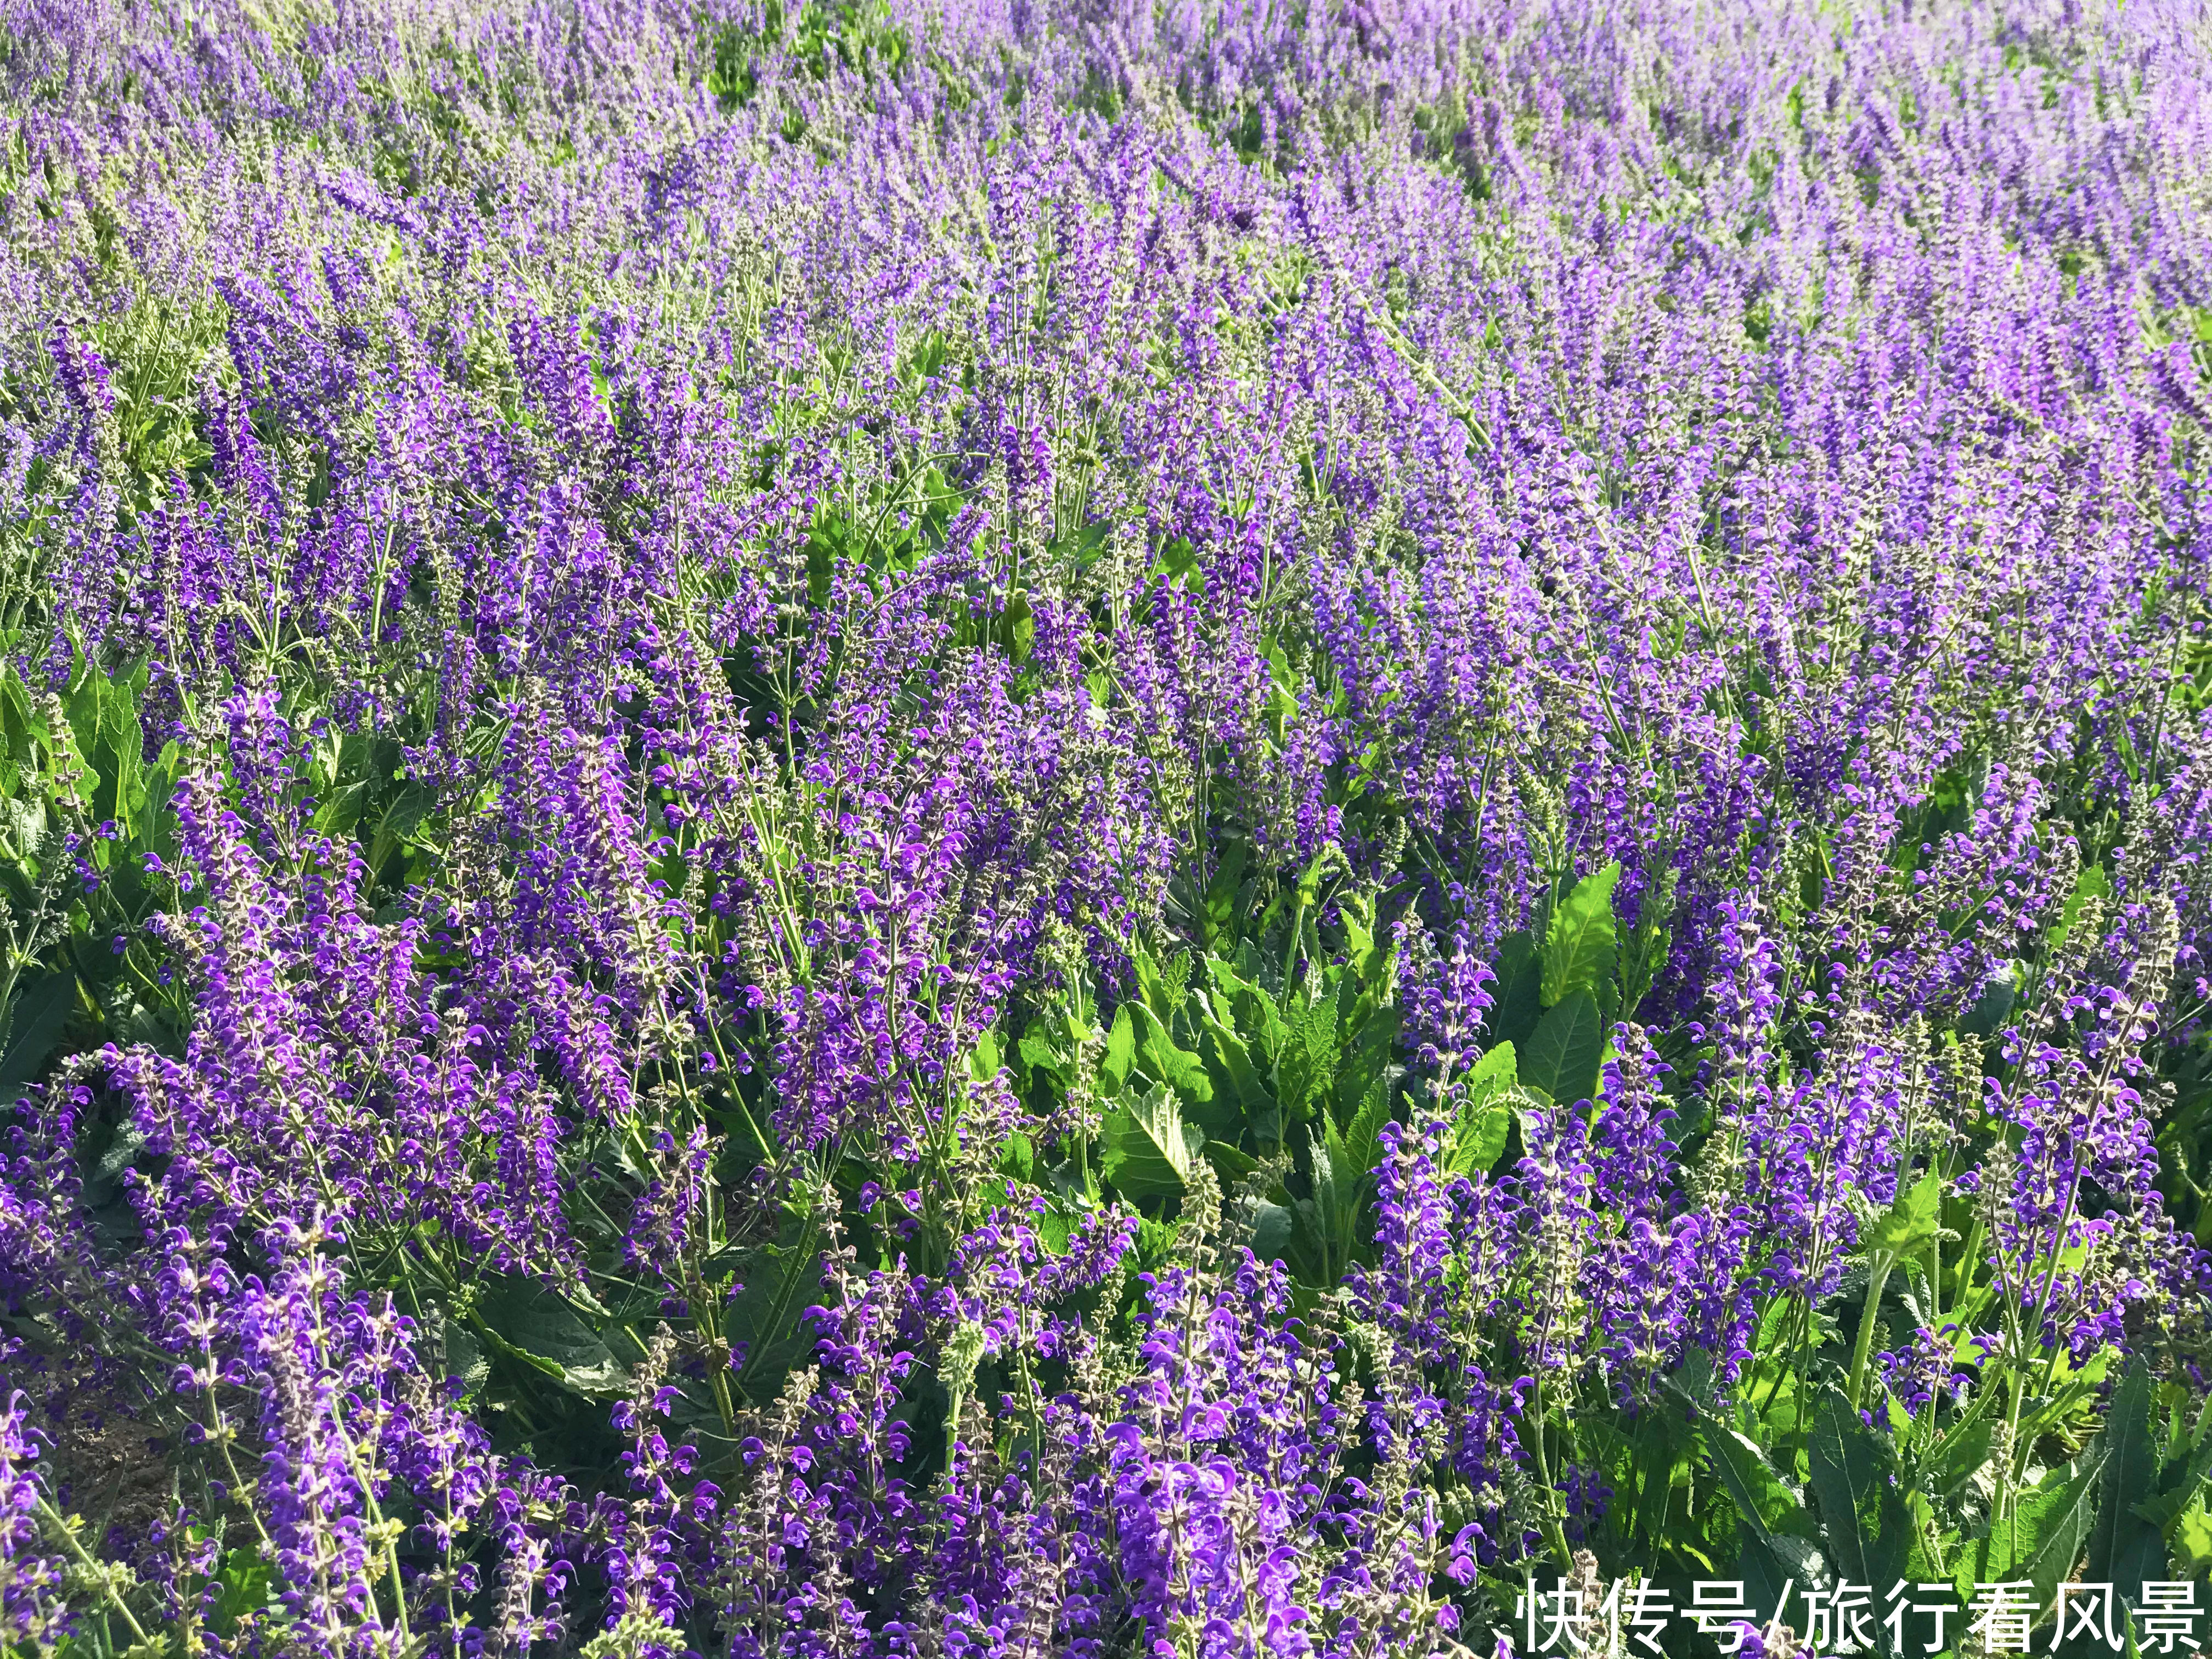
(1878, 1273)
(62, 1531)
(1555, 1530)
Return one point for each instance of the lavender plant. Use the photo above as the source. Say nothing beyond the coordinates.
(899, 828)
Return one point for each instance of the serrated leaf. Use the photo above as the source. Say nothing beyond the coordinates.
(1776, 1552)
(1160, 1055)
(1038, 1052)
(1515, 1002)
(1580, 944)
(1237, 1078)
(1489, 1098)
(1908, 1223)
(1305, 1067)
(464, 1356)
(1017, 1156)
(2192, 1540)
(2125, 1547)
(1353, 1147)
(41, 1009)
(1565, 1049)
(1863, 1521)
(2045, 1535)
(1120, 1056)
(1367, 959)
(1148, 1148)
(528, 1322)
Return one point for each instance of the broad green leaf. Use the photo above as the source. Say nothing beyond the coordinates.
(1515, 1004)
(1563, 1053)
(464, 1356)
(246, 1587)
(1148, 1147)
(1323, 1205)
(2192, 1541)
(1908, 1223)
(1161, 986)
(1230, 1164)
(1580, 944)
(1773, 1521)
(781, 1279)
(1306, 1065)
(1161, 1057)
(1367, 959)
(1113, 1066)
(1222, 895)
(1273, 1230)
(1489, 1098)
(2125, 1548)
(41, 1009)
(2045, 1535)
(1958, 1457)
(528, 1322)
(1228, 983)
(1038, 1054)
(1237, 1080)
(1361, 1066)
(1863, 1513)
(1353, 1147)
(1494, 1072)
(1018, 1157)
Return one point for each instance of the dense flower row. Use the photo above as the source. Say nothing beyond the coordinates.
(867, 828)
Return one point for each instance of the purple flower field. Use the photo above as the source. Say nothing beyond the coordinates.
(951, 827)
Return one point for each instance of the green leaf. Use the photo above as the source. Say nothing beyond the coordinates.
(1148, 1148)
(1772, 1519)
(2192, 1540)
(1854, 1481)
(1230, 1164)
(1083, 544)
(1352, 1148)
(35, 1025)
(1494, 1072)
(1515, 1004)
(1306, 1064)
(1237, 1079)
(1566, 1048)
(2050, 1524)
(1160, 986)
(1160, 1056)
(1489, 1097)
(2125, 1547)
(1370, 961)
(1222, 895)
(1113, 1066)
(2091, 883)
(1018, 1157)
(246, 1586)
(780, 1280)
(1580, 944)
(1908, 1223)
(465, 1356)
(1039, 1055)
(1272, 1231)
(528, 1322)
